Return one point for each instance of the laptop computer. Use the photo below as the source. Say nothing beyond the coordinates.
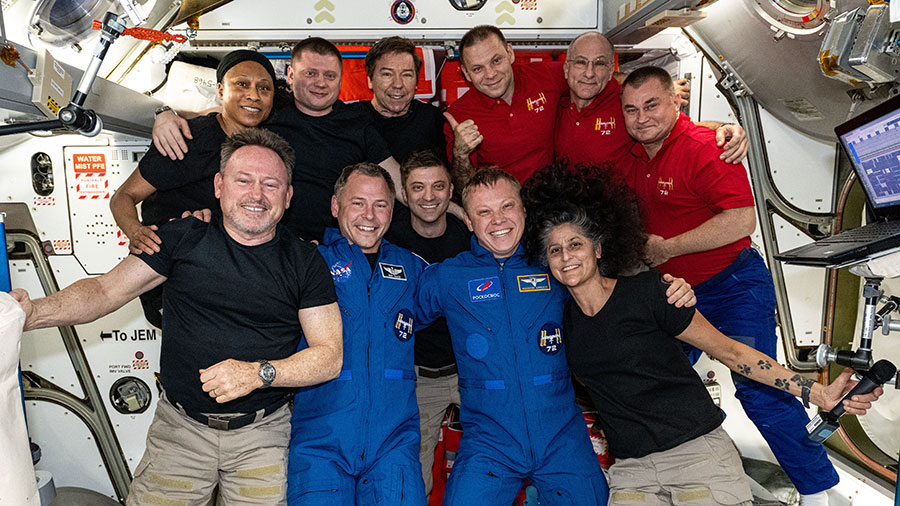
(872, 142)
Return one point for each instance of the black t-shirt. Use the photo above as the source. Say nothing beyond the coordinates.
(647, 395)
(422, 127)
(323, 146)
(432, 346)
(183, 185)
(226, 300)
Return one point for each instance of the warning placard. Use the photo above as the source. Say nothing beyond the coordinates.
(90, 175)
(89, 163)
(91, 185)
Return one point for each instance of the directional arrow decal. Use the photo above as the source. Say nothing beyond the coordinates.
(505, 18)
(324, 16)
(502, 6)
(323, 4)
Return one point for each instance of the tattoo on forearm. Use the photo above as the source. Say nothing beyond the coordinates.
(764, 364)
(744, 369)
(802, 381)
(783, 384)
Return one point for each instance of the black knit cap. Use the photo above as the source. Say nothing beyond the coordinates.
(241, 55)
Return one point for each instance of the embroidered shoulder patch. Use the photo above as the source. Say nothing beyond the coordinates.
(534, 282)
(390, 271)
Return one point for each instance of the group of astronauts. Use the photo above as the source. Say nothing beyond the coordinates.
(328, 270)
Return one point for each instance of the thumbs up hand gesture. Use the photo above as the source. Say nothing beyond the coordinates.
(466, 136)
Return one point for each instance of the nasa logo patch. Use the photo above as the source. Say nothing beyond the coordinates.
(550, 338)
(534, 283)
(340, 271)
(484, 289)
(390, 271)
(403, 325)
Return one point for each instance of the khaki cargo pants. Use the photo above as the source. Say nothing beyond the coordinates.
(187, 463)
(705, 471)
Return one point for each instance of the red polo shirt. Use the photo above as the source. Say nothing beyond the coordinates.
(685, 185)
(595, 135)
(517, 137)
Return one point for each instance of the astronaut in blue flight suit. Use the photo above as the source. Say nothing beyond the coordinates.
(355, 439)
(518, 412)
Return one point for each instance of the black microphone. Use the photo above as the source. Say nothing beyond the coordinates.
(824, 424)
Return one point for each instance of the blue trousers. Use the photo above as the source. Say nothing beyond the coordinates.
(740, 302)
(482, 480)
(394, 479)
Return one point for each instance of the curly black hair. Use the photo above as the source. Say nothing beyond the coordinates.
(594, 200)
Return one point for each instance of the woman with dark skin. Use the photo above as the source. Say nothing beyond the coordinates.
(168, 188)
(247, 88)
(624, 343)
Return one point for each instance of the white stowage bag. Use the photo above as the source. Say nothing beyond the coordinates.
(17, 482)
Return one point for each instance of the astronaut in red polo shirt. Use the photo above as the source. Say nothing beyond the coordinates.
(698, 216)
(508, 119)
(590, 128)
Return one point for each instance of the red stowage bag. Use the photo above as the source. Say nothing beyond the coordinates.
(598, 440)
(445, 454)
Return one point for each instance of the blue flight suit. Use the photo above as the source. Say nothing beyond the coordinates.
(518, 410)
(355, 439)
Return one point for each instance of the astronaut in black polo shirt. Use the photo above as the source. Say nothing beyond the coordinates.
(428, 230)
(239, 292)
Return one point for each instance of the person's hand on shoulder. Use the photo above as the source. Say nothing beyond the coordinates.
(733, 140)
(144, 240)
(679, 293)
(203, 215)
(169, 132)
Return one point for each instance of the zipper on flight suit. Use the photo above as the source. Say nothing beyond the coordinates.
(515, 359)
(368, 313)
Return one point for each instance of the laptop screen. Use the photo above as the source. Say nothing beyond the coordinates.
(872, 141)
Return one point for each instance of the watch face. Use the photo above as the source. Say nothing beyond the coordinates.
(267, 372)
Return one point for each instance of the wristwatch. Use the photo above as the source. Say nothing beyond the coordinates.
(161, 110)
(266, 373)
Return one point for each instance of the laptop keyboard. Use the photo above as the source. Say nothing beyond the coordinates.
(870, 232)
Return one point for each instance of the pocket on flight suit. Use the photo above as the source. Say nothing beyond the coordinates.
(320, 493)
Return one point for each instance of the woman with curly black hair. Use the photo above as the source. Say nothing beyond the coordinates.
(623, 341)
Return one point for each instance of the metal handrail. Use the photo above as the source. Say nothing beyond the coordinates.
(90, 409)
